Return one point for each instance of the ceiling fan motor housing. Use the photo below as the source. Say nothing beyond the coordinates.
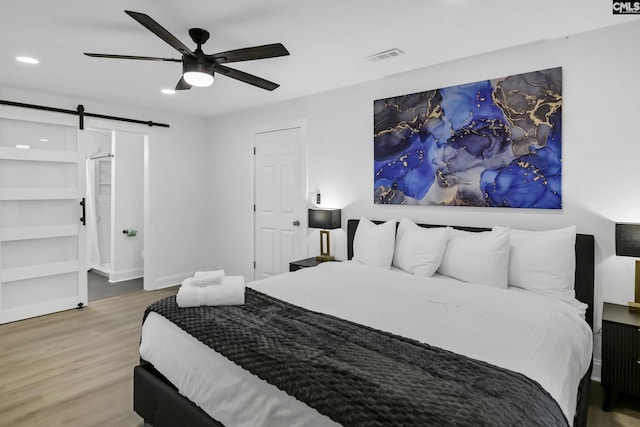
(198, 63)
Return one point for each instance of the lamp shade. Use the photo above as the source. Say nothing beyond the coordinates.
(327, 219)
(628, 240)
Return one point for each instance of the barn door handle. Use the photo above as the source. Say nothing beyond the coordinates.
(82, 203)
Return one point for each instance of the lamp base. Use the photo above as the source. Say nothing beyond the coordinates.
(634, 306)
(325, 254)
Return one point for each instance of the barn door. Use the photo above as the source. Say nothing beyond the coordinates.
(42, 241)
(280, 200)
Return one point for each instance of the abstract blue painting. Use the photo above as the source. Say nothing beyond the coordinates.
(494, 143)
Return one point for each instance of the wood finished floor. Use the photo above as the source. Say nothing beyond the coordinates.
(625, 412)
(75, 368)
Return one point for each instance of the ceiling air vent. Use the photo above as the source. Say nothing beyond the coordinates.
(387, 54)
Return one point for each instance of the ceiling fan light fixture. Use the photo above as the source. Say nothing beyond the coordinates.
(198, 78)
(197, 71)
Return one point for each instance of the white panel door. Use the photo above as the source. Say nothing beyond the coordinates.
(280, 200)
(42, 240)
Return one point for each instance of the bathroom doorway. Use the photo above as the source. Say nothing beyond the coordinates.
(114, 211)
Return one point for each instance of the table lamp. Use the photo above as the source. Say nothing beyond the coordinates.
(326, 219)
(628, 244)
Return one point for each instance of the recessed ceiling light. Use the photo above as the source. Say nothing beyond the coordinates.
(27, 60)
(44, 140)
(24, 146)
(168, 91)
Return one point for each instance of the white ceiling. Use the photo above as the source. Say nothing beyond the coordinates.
(328, 41)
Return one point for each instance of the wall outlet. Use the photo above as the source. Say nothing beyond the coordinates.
(142, 254)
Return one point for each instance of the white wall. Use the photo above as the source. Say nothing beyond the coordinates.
(176, 171)
(600, 151)
(128, 206)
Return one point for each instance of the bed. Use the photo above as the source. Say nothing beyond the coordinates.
(172, 359)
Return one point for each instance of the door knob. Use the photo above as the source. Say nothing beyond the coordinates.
(296, 223)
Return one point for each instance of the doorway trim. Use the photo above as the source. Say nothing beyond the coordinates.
(149, 254)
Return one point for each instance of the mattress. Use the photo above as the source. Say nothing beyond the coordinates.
(540, 337)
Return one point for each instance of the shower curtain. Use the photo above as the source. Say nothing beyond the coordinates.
(93, 251)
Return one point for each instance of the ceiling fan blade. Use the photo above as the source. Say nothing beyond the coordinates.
(246, 77)
(183, 85)
(160, 31)
(143, 58)
(250, 53)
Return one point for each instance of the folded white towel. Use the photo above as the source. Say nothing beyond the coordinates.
(229, 292)
(206, 278)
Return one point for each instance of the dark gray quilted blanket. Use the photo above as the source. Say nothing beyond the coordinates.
(359, 376)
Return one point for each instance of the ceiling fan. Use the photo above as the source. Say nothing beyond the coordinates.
(198, 68)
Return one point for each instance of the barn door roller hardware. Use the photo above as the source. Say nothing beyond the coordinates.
(81, 113)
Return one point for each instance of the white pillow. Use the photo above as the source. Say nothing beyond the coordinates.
(544, 262)
(373, 244)
(481, 258)
(419, 250)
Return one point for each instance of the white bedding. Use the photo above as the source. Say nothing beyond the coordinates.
(538, 336)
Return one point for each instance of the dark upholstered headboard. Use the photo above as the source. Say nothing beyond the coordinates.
(585, 261)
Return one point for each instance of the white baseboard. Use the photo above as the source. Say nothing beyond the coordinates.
(172, 280)
(123, 275)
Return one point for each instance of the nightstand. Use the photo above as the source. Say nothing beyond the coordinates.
(304, 263)
(620, 351)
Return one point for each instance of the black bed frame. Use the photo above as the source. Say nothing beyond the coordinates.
(160, 404)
